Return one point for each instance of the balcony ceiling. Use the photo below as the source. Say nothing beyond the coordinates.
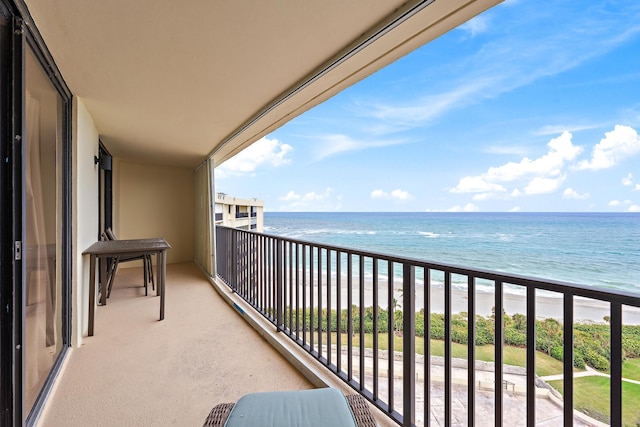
(170, 82)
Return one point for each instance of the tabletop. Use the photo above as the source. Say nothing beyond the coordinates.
(127, 246)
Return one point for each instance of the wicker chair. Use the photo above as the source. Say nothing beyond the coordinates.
(358, 405)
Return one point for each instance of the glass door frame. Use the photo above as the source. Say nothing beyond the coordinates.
(23, 35)
(11, 270)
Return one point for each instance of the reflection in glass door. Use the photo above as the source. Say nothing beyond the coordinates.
(43, 227)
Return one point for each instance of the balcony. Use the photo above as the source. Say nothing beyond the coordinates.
(321, 297)
(137, 370)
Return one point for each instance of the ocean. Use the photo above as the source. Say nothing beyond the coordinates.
(592, 249)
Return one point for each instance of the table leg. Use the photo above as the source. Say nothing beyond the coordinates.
(104, 283)
(162, 274)
(92, 292)
(158, 272)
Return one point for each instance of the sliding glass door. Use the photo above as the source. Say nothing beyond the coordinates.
(35, 218)
(43, 226)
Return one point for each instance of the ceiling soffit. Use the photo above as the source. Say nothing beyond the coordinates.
(174, 82)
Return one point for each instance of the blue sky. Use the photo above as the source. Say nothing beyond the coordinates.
(528, 107)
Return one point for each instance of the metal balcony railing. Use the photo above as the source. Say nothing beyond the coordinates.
(319, 296)
(242, 214)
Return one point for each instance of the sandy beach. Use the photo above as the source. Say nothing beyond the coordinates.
(585, 310)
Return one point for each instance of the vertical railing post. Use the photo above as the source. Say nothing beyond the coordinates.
(279, 284)
(531, 356)
(409, 344)
(339, 311)
(375, 329)
(234, 260)
(349, 316)
(568, 359)
(616, 364)
(390, 334)
(361, 292)
(427, 347)
(499, 344)
(448, 368)
(471, 351)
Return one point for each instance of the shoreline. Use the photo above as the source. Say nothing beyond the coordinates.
(584, 310)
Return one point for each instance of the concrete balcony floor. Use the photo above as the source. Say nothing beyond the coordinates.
(138, 371)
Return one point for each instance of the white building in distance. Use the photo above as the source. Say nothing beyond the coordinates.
(245, 214)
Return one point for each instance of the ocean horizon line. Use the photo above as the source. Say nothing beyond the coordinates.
(462, 212)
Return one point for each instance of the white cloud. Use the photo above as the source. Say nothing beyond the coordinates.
(482, 196)
(477, 25)
(291, 195)
(515, 209)
(264, 152)
(570, 193)
(513, 150)
(429, 107)
(540, 185)
(476, 184)
(401, 195)
(628, 180)
(469, 207)
(311, 201)
(618, 202)
(379, 194)
(306, 197)
(395, 194)
(541, 175)
(634, 208)
(511, 59)
(331, 145)
(561, 149)
(556, 129)
(617, 145)
(637, 187)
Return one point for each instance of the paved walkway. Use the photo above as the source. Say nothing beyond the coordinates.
(549, 410)
(589, 372)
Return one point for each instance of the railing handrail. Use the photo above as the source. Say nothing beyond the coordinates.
(620, 296)
(271, 272)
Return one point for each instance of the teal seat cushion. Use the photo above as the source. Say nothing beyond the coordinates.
(309, 408)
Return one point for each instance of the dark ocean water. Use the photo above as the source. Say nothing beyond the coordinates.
(595, 249)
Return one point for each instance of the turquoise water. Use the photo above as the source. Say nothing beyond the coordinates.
(594, 249)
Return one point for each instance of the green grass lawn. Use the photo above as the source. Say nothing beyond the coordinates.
(515, 356)
(631, 369)
(591, 396)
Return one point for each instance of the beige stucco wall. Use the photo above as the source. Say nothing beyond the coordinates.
(84, 213)
(149, 201)
(155, 201)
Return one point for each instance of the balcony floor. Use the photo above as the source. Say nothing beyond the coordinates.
(137, 370)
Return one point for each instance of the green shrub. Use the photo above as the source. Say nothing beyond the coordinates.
(437, 326)
(514, 337)
(557, 352)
